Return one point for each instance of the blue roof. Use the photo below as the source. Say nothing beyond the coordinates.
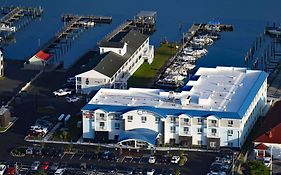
(186, 88)
(142, 134)
(162, 112)
(252, 93)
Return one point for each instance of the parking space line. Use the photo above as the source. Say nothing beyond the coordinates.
(91, 157)
(72, 156)
(81, 156)
(62, 156)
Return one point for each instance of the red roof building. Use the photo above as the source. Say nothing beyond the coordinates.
(43, 55)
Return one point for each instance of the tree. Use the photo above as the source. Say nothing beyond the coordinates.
(255, 167)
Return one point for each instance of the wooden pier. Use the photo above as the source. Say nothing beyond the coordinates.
(144, 22)
(74, 25)
(12, 15)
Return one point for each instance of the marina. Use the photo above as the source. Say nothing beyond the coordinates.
(51, 52)
(9, 23)
(194, 46)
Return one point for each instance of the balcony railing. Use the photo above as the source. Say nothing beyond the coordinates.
(213, 125)
(185, 133)
(211, 134)
(185, 123)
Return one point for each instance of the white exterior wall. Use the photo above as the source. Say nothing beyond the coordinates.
(119, 51)
(253, 113)
(137, 120)
(94, 83)
(168, 134)
(1, 64)
(88, 127)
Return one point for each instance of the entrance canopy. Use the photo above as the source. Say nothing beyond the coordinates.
(140, 134)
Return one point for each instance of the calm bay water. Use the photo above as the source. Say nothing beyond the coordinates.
(248, 18)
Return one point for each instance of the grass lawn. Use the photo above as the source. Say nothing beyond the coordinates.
(2, 129)
(146, 73)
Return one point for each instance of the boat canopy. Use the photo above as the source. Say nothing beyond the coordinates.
(43, 55)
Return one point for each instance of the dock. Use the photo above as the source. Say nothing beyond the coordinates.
(192, 47)
(144, 22)
(13, 14)
(51, 52)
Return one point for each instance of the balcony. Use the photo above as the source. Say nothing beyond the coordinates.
(101, 128)
(185, 123)
(213, 135)
(185, 133)
(101, 118)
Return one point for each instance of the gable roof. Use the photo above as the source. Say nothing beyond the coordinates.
(110, 64)
(92, 74)
(134, 39)
(261, 146)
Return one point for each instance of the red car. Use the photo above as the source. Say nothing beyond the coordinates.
(11, 171)
(44, 166)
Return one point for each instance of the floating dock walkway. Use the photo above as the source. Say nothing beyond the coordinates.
(51, 52)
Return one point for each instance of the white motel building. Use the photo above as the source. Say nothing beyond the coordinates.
(217, 108)
(122, 56)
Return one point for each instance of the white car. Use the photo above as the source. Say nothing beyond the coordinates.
(72, 99)
(267, 161)
(175, 159)
(216, 173)
(39, 129)
(71, 80)
(152, 159)
(29, 151)
(62, 92)
(59, 171)
(35, 165)
(150, 172)
(2, 169)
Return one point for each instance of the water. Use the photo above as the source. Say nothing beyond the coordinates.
(247, 17)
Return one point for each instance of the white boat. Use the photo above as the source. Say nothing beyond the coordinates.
(276, 31)
(6, 27)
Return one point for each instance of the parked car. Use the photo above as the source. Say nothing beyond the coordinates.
(150, 172)
(152, 159)
(54, 166)
(59, 171)
(2, 169)
(175, 159)
(29, 151)
(39, 129)
(44, 166)
(35, 165)
(11, 170)
(62, 92)
(71, 80)
(72, 99)
(37, 151)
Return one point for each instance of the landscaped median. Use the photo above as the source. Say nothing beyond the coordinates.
(147, 73)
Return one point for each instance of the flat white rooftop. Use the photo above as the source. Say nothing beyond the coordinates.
(212, 89)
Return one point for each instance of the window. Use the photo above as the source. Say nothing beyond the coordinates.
(200, 142)
(117, 125)
(199, 131)
(186, 130)
(213, 131)
(130, 118)
(230, 132)
(213, 121)
(157, 119)
(120, 51)
(173, 119)
(143, 119)
(230, 122)
(87, 81)
(199, 121)
(102, 116)
(78, 80)
(186, 120)
(212, 144)
(102, 50)
(102, 125)
(173, 129)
